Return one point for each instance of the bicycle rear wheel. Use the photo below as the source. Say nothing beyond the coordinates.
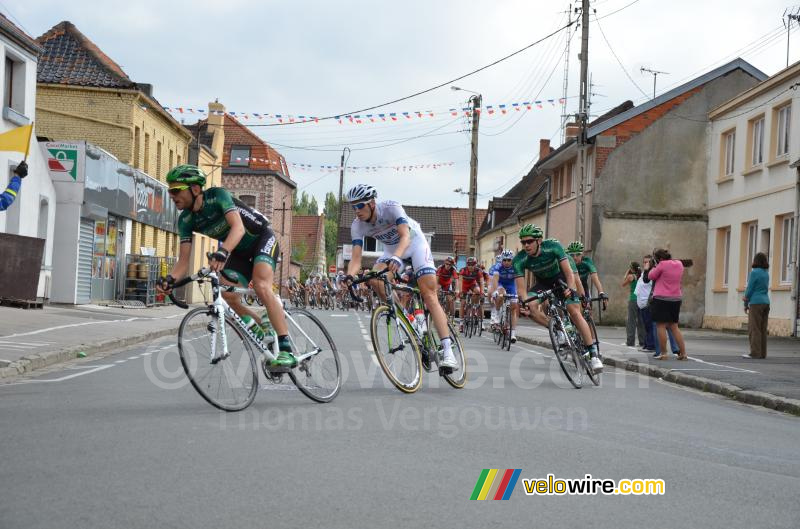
(396, 348)
(457, 377)
(228, 383)
(567, 357)
(318, 376)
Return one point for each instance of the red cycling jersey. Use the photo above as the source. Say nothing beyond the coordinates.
(445, 275)
(469, 277)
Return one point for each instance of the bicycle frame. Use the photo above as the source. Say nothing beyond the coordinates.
(221, 309)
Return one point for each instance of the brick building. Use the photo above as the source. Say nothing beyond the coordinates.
(308, 242)
(257, 175)
(82, 94)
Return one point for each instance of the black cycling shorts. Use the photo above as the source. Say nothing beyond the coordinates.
(240, 263)
(543, 284)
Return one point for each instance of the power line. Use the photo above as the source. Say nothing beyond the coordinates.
(611, 49)
(620, 9)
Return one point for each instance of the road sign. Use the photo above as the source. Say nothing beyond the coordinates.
(332, 269)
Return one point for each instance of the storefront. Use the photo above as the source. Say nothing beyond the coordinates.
(99, 199)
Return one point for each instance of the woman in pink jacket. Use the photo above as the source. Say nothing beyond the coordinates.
(667, 295)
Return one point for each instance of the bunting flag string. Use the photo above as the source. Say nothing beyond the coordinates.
(356, 168)
(388, 117)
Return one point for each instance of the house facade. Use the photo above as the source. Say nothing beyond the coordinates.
(753, 201)
(308, 243)
(646, 184)
(32, 214)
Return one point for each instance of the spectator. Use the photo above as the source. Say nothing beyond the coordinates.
(643, 291)
(10, 194)
(633, 324)
(666, 305)
(756, 305)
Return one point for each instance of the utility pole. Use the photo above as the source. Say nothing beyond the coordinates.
(565, 83)
(283, 246)
(788, 16)
(473, 173)
(341, 185)
(655, 75)
(583, 118)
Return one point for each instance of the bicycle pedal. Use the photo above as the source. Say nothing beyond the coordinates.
(445, 371)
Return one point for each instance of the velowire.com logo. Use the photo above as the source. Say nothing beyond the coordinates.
(496, 484)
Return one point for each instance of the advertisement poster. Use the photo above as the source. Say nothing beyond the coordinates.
(111, 238)
(100, 238)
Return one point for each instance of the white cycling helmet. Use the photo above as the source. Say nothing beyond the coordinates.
(506, 254)
(361, 193)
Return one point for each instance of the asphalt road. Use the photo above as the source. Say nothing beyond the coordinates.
(124, 441)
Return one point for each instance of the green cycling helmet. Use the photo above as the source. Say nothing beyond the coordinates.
(575, 247)
(186, 174)
(531, 230)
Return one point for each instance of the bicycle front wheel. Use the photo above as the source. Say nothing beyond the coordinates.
(567, 357)
(226, 382)
(396, 349)
(318, 376)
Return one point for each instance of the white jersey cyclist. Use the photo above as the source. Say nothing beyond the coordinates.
(389, 215)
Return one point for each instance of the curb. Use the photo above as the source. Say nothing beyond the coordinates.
(30, 363)
(756, 398)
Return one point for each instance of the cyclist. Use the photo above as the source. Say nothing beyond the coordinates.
(339, 287)
(586, 270)
(248, 249)
(549, 264)
(444, 282)
(402, 238)
(470, 279)
(503, 284)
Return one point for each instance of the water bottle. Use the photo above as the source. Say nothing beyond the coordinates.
(253, 326)
(266, 325)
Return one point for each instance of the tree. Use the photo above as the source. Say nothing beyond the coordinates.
(305, 205)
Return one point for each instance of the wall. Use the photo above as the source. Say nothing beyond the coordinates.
(22, 218)
(651, 191)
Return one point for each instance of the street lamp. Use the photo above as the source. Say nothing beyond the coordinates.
(473, 166)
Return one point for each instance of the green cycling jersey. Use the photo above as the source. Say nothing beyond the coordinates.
(546, 265)
(211, 221)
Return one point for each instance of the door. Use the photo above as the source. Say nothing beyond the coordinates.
(85, 249)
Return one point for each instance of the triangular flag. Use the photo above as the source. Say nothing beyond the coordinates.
(18, 139)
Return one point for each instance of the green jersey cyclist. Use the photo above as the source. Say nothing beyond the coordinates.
(247, 252)
(587, 271)
(549, 264)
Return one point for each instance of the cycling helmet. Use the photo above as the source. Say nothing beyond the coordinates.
(507, 254)
(553, 239)
(575, 247)
(531, 230)
(361, 193)
(449, 259)
(186, 174)
(471, 261)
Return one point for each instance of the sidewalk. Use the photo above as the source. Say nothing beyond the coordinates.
(715, 364)
(32, 339)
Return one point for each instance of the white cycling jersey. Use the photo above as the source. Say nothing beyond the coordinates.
(388, 216)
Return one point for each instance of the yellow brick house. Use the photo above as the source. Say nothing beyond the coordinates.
(82, 94)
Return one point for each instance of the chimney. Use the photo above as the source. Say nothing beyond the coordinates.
(216, 116)
(571, 131)
(145, 88)
(544, 149)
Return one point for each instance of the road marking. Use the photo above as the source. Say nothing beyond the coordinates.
(120, 361)
(722, 365)
(58, 327)
(133, 357)
(338, 315)
(9, 346)
(99, 368)
(147, 353)
(32, 344)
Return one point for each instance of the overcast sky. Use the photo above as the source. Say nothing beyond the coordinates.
(330, 57)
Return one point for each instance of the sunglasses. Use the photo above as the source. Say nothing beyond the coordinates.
(528, 241)
(177, 189)
(360, 205)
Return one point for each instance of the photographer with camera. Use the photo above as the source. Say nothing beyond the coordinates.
(633, 324)
(667, 295)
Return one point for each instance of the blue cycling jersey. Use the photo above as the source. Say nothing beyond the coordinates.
(506, 277)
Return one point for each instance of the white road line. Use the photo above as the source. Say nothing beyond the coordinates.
(32, 344)
(338, 315)
(120, 361)
(58, 327)
(133, 357)
(99, 368)
(147, 353)
(726, 367)
(8, 346)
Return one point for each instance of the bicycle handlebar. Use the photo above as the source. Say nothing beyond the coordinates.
(363, 279)
(203, 272)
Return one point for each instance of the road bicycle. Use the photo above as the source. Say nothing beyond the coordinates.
(573, 354)
(473, 316)
(445, 296)
(218, 350)
(404, 347)
(502, 330)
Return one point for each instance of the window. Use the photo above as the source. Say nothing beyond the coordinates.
(726, 256)
(756, 141)
(171, 159)
(137, 138)
(729, 150)
(787, 248)
(158, 160)
(249, 200)
(240, 156)
(146, 153)
(370, 244)
(750, 243)
(782, 139)
(14, 87)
